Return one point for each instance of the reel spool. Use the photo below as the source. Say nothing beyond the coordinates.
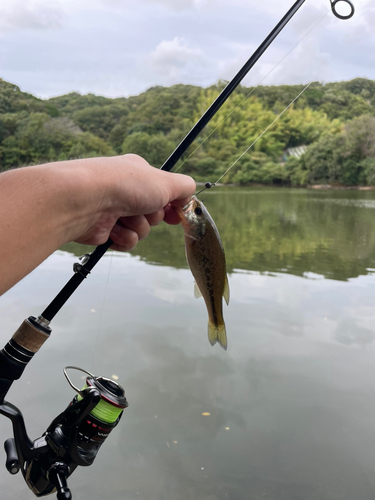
(104, 417)
(73, 438)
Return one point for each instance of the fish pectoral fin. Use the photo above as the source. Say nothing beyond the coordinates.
(217, 334)
(226, 290)
(197, 292)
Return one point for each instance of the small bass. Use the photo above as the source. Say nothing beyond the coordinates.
(206, 259)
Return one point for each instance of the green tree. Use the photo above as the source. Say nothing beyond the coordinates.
(345, 158)
(154, 148)
(153, 123)
(87, 144)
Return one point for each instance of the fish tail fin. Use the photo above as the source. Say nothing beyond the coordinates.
(217, 333)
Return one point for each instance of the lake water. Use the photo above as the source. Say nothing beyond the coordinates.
(291, 404)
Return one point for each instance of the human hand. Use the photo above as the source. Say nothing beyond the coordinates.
(45, 206)
(134, 197)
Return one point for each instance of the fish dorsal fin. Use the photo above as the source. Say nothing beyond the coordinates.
(226, 290)
(197, 292)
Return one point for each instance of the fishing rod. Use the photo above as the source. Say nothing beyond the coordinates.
(88, 261)
(233, 84)
(75, 436)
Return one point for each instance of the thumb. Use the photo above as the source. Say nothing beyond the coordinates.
(181, 187)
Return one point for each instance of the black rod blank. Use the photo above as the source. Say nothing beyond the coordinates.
(60, 299)
(232, 85)
(82, 270)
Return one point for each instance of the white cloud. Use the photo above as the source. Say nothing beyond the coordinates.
(228, 67)
(122, 47)
(175, 5)
(30, 14)
(176, 61)
(306, 64)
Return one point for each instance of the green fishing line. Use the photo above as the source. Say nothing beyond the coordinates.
(104, 411)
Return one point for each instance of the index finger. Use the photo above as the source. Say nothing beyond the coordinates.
(171, 216)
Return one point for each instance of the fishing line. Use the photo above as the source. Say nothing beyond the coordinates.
(101, 311)
(253, 89)
(208, 185)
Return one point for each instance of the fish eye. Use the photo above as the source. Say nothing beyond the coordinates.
(198, 211)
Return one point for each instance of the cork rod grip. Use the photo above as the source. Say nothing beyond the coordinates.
(29, 337)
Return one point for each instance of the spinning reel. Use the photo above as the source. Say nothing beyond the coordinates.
(73, 438)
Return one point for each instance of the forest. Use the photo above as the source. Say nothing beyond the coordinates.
(331, 124)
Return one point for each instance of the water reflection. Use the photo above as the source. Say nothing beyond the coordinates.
(281, 230)
(291, 402)
(348, 332)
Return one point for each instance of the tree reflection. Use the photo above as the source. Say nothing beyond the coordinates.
(278, 230)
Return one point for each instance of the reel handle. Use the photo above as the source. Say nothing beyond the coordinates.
(12, 463)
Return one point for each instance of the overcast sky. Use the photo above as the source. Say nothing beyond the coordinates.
(122, 47)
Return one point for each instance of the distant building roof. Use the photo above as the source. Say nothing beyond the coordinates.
(297, 152)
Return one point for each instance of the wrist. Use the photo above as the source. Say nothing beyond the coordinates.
(75, 192)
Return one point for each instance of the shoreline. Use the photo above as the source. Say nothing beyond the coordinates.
(309, 186)
(343, 188)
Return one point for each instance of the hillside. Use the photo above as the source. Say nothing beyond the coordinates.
(335, 121)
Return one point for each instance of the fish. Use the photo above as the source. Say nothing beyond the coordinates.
(206, 258)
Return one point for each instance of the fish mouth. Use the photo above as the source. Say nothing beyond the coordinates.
(183, 211)
(193, 198)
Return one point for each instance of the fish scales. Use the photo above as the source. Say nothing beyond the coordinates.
(206, 259)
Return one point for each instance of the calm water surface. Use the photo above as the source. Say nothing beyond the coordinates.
(292, 401)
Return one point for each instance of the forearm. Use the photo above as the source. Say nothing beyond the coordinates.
(45, 206)
(40, 210)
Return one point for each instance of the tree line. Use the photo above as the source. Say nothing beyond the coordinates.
(334, 122)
